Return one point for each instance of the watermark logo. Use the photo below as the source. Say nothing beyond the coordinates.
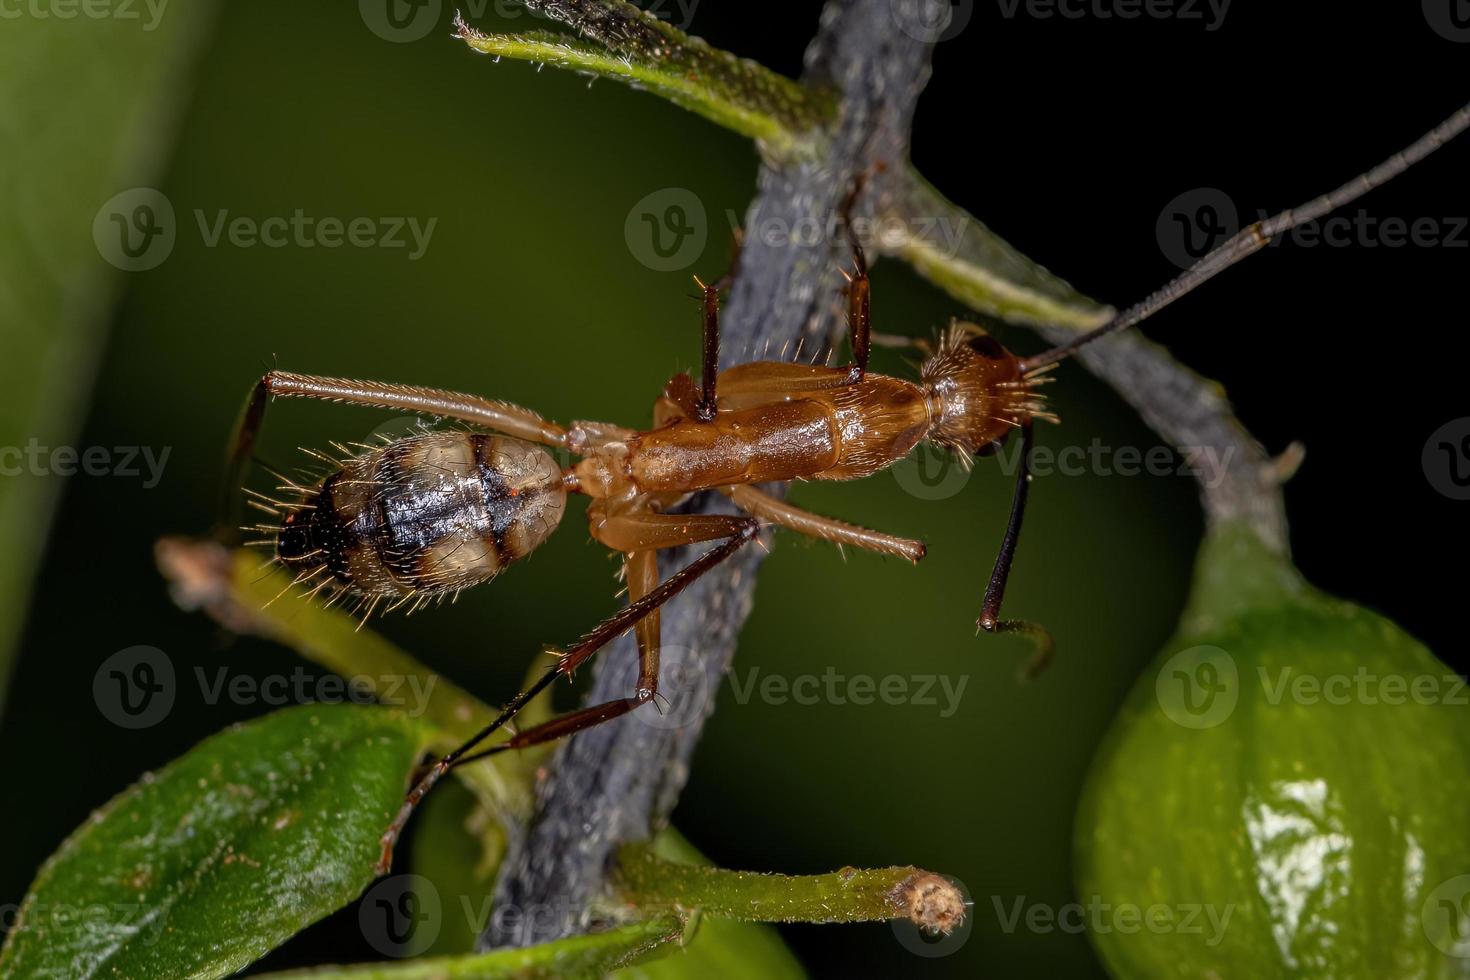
(667, 230)
(1194, 223)
(1450, 19)
(128, 462)
(79, 924)
(135, 230)
(1100, 918)
(940, 692)
(1446, 917)
(148, 12)
(138, 687)
(401, 21)
(931, 472)
(932, 21)
(134, 688)
(1200, 220)
(683, 691)
(1446, 459)
(1210, 13)
(1199, 687)
(401, 916)
(933, 945)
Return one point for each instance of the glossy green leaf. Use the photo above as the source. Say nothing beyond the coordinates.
(231, 587)
(203, 867)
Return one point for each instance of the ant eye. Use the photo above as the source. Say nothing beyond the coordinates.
(987, 347)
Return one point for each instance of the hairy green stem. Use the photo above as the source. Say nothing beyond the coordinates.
(850, 895)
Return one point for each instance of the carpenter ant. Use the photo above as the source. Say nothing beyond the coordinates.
(428, 515)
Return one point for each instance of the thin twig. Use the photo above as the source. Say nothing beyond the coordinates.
(618, 782)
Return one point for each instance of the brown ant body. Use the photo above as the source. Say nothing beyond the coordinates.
(426, 516)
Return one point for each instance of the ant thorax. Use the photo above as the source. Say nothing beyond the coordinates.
(978, 391)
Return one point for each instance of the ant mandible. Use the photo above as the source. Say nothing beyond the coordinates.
(428, 515)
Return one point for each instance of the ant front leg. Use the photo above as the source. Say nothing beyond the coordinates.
(705, 408)
(650, 532)
(990, 620)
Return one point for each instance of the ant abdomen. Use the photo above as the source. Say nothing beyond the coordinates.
(424, 516)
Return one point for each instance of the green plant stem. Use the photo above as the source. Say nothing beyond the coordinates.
(741, 95)
(849, 895)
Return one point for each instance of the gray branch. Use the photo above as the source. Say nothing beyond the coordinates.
(1240, 483)
(618, 782)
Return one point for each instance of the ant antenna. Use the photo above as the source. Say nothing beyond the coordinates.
(1252, 239)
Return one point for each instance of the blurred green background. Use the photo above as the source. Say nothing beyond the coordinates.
(528, 291)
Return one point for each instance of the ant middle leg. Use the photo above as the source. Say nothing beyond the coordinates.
(661, 531)
(768, 508)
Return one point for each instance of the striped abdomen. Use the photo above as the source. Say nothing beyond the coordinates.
(426, 515)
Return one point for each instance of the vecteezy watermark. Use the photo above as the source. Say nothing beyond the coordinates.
(1100, 918)
(1210, 13)
(134, 688)
(1446, 459)
(60, 920)
(1450, 19)
(1199, 220)
(667, 230)
(932, 21)
(686, 694)
(1201, 686)
(683, 691)
(831, 687)
(406, 21)
(147, 12)
(933, 473)
(1198, 687)
(137, 230)
(1446, 917)
(401, 916)
(127, 462)
(138, 687)
(940, 234)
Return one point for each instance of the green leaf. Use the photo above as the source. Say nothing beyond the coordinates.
(957, 253)
(231, 588)
(72, 138)
(566, 959)
(203, 867)
(630, 46)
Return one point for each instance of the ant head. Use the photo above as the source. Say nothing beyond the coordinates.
(978, 391)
